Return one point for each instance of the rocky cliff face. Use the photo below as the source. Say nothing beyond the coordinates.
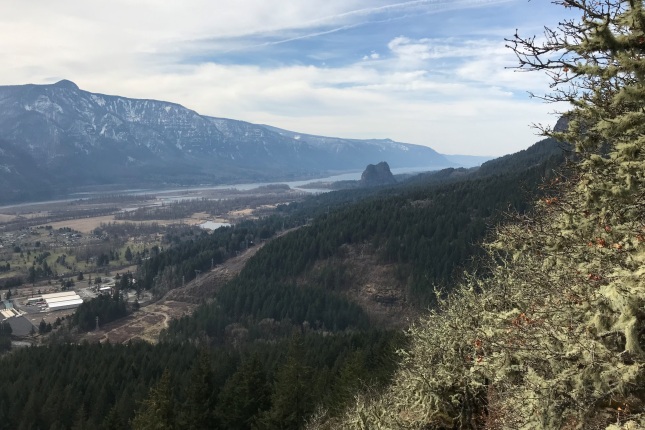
(377, 175)
(73, 138)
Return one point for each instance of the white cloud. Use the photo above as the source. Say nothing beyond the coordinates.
(372, 56)
(410, 53)
(353, 101)
(452, 94)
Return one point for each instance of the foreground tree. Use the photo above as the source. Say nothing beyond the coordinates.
(157, 412)
(555, 336)
(244, 397)
(198, 409)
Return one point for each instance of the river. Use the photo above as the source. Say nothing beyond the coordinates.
(298, 185)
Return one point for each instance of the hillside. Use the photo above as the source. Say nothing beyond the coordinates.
(552, 336)
(325, 301)
(58, 139)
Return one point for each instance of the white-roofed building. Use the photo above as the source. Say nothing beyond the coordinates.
(66, 304)
(61, 294)
(63, 300)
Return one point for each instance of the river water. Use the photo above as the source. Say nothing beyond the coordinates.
(166, 195)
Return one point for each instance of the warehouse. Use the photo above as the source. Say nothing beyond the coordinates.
(66, 304)
(61, 299)
(61, 294)
(41, 298)
(64, 300)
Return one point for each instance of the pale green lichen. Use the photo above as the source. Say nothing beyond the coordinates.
(555, 337)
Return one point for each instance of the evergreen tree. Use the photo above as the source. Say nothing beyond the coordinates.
(157, 412)
(42, 327)
(200, 402)
(244, 396)
(113, 421)
(553, 337)
(128, 254)
(80, 420)
(5, 329)
(291, 397)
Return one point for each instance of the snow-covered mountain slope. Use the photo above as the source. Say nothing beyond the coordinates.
(74, 138)
(396, 154)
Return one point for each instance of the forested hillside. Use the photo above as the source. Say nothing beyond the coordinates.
(98, 386)
(284, 339)
(553, 337)
(429, 226)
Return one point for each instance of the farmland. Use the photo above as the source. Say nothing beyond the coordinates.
(77, 244)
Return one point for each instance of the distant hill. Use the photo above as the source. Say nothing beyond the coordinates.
(372, 150)
(59, 138)
(528, 158)
(467, 160)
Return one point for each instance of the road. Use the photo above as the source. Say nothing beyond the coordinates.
(148, 321)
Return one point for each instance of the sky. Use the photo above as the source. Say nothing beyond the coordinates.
(428, 72)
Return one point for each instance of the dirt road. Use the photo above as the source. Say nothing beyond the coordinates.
(147, 322)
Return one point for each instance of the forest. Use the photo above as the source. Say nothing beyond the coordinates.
(268, 351)
(103, 386)
(552, 336)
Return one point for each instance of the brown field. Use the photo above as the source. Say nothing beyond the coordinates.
(84, 225)
(87, 225)
(240, 213)
(145, 324)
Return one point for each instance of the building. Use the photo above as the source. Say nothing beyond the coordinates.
(61, 301)
(64, 304)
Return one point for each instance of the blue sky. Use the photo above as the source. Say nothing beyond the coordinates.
(430, 72)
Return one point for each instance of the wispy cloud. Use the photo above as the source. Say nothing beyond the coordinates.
(425, 71)
(341, 22)
(427, 5)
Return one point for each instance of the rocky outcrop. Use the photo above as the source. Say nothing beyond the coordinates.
(377, 175)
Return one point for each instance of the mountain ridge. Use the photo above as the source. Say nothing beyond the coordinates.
(75, 138)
